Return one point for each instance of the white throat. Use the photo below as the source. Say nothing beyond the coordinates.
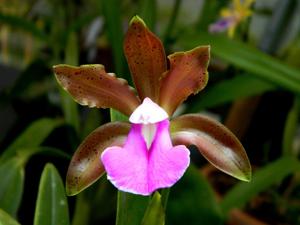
(148, 114)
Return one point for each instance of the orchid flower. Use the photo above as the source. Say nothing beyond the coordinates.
(232, 17)
(149, 152)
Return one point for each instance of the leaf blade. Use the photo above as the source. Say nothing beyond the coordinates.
(11, 185)
(6, 219)
(226, 91)
(155, 214)
(51, 205)
(19, 22)
(70, 108)
(248, 58)
(32, 136)
(113, 20)
(131, 208)
(148, 12)
(195, 193)
(262, 179)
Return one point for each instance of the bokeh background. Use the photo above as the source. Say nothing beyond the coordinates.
(253, 89)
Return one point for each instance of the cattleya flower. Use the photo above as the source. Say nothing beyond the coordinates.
(150, 152)
(232, 17)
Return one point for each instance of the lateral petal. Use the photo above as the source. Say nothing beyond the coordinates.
(91, 85)
(85, 167)
(187, 75)
(146, 59)
(215, 142)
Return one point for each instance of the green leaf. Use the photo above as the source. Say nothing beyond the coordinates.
(6, 219)
(172, 21)
(193, 202)
(26, 153)
(155, 213)
(69, 106)
(290, 128)
(148, 12)
(112, 15)
(130, 208)
(51, 206)
(102, 193)
(70, 109)
(248, 58)
(72, 50)
(91, 122)
(33, 136)
(117, 116)
(11, 185)
(23, 24)
(208, 13)
(28, 85)
(82, 210)
(81, 21)
(262, 179)
(226, 91)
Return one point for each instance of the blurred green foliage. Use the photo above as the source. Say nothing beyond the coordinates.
(41, 124)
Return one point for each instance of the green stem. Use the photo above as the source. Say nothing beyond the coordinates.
(164, 197)
(119, 208)
(82, 210)
(131, 208)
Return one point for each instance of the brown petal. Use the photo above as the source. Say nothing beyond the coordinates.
(86, 167)
(215, 142)
(187, 75)
(146, 58)
(91, 85)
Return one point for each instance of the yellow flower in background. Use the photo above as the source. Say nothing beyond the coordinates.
(231, 17)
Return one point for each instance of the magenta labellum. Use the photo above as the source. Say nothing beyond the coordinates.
(148, 161)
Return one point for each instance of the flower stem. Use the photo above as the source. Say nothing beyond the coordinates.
(164, 197)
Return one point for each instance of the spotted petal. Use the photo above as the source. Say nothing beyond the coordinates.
(85, 167)
(187, 75)
(216, 143)
(146, 58)
(91, 85)
(138, 170)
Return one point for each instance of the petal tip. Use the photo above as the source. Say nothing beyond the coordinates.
(56, 68)
(71, 191)
(136, 19)
(243, 174)
(247, 176)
